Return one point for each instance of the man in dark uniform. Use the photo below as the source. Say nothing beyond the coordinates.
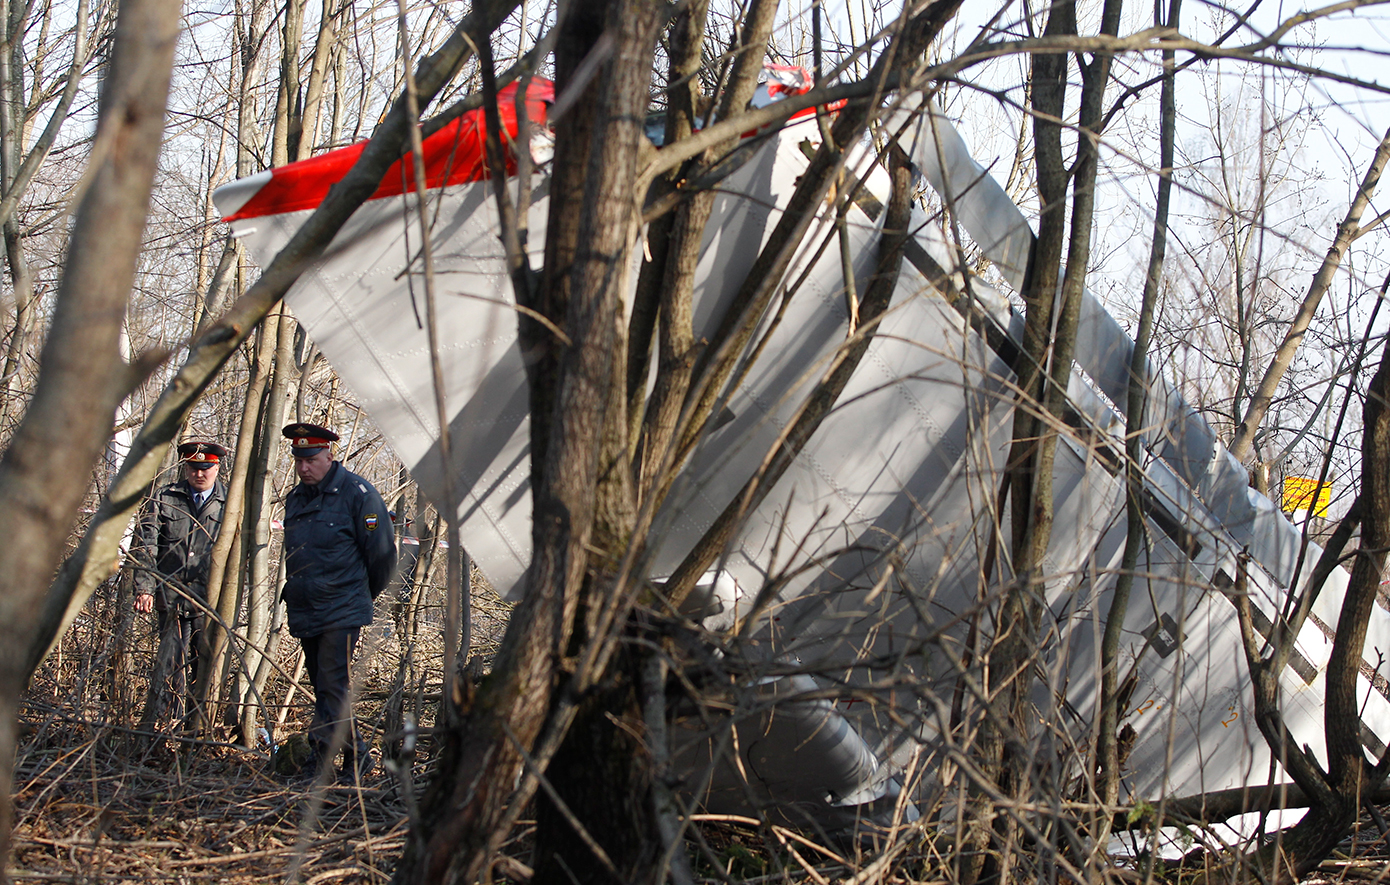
(340, 554)
(172, 553)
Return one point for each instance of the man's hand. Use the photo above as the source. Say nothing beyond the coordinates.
(144, 602)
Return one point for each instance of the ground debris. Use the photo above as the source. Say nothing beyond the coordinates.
(93, 812)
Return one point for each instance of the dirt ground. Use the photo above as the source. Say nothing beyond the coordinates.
(91, 808)
(88, 810)
(96, 802)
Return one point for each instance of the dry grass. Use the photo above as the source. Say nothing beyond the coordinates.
(97, 801)
(88, 811)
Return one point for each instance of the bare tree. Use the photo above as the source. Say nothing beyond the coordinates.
(1348, 231)
(572, 721)
(70, 410)
(20, 160)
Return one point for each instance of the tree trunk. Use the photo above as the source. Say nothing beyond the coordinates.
(288, 120)
(1347, 231)
(21, 280)
(82, 375)
(324, 46)
(233, 514)
(22, 285)
(600, 783)
(680, 254)
(1107, 763)
(262, 596)
(1007, 737)
(577, 429)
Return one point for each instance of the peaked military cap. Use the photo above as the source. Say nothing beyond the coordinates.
(200, 451)
(307, 439)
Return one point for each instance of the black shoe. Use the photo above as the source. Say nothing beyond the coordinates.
(312, 768)
(357, 773)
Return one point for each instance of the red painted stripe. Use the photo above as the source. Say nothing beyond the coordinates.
(802, 114)
(453, 155)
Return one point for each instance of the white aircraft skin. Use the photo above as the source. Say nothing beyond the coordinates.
(883, 520)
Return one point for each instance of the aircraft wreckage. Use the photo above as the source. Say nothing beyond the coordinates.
(897, 482)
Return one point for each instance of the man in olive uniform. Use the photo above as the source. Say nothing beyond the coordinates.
(340, 553)
(172, 553)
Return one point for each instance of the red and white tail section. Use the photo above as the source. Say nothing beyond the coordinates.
(363, 304)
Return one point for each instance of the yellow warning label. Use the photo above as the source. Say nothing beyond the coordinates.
(1301, 493)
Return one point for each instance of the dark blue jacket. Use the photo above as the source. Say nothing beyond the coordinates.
(172, 546)
(340, 553)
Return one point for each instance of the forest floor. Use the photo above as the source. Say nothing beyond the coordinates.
(90, 810)
(95, 802)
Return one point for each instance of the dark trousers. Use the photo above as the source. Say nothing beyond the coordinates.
(176, 667)
(328, 658)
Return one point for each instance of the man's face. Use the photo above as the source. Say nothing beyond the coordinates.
(314, 468)
(200, 476)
